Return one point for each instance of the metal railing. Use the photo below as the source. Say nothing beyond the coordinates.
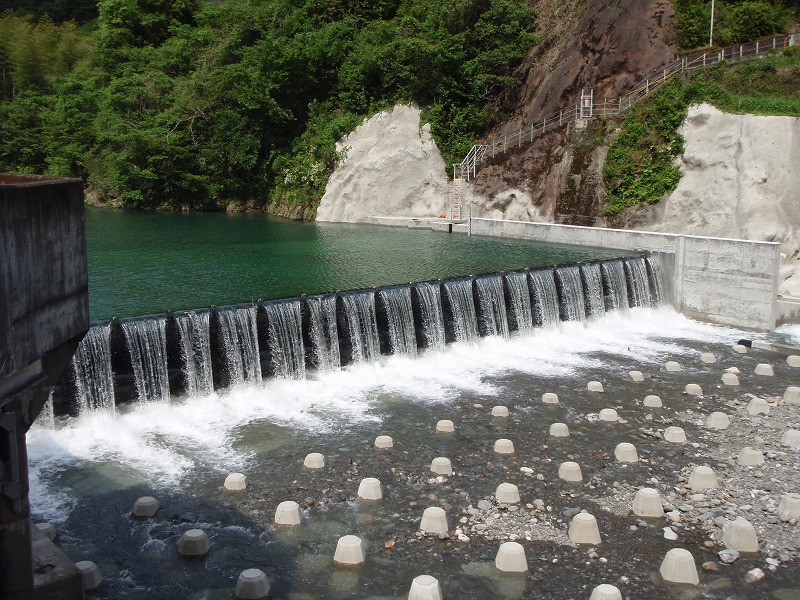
(468, 168)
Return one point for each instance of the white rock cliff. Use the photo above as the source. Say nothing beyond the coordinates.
(392, 167)
(740, 179)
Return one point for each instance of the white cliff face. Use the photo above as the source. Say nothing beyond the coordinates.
(740, 179)
(392, 168)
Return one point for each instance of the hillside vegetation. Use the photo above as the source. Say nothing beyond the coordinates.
(190, 104)
(640, 167)
(735, 21)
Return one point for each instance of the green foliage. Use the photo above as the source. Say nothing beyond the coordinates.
(32, 54)
(192, 104)
(640, 166)
(735, 21)
(58, 10)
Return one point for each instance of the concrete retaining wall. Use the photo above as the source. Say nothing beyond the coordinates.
(43, 280)
(732, 282)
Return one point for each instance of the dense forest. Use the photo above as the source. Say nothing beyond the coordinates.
(189, 104)
(185, 104)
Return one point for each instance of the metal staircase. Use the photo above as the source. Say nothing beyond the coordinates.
(585, 107)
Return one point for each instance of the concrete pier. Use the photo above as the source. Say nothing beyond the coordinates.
(44, 313)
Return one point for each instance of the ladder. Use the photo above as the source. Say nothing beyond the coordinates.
(455, 200)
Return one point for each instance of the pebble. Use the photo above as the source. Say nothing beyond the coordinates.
(669, 534)
(728, 555)
(754, 575)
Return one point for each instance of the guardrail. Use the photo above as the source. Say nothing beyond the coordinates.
(587, 108)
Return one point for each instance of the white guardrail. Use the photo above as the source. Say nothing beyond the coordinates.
(587, 108)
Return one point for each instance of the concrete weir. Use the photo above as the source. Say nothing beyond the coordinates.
(726, 281)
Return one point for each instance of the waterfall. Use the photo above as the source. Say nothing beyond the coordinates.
(430, 304)
(570, 292)
(655, 277)
(520, 296)
(286, 339)
(545, 297)
(615, 286)
(196, 349)
(363, 326)
(47, 418)
(400, 314)
(324, 332)
(348, 326)
(638, 286)
(240, 338)
(147, 343)
(91, 366)
(493, 305)
(462, 306)
(593, 290)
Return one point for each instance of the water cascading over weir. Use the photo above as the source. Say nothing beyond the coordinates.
(193, 353)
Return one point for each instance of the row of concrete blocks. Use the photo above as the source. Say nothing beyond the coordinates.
(350, 551)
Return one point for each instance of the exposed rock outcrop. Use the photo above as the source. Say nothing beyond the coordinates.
(607, 45)
(392, 167)
(739, 180)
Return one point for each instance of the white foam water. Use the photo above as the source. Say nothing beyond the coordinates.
(164, 444)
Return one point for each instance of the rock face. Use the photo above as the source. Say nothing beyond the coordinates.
(739, 180)
(607, 45)
(392, 168)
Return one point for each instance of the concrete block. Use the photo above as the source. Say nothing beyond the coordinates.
(791, 438)
(702, 478)
(511, 558)
(730, 379)
(652, 401)
(550, 398)
(764, 370)
(675, 435)
(194, 542)
(647, 503)
(789, 507)
(750, 457)
(570, 471)
(718, 420)
(442, 466)
(792, 395)
(507, 493)
(678, 567)
(606, 591)
(252, 585)
(626, 452)
(583, 529)
(504, 446)
(434, 520)
(757, 406)
(740, 535)
(425, 587)
(90, 573)
(350, 551)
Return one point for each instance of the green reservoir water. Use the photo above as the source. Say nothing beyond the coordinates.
(142, 263)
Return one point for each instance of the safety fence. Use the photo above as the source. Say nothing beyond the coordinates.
(587, 108)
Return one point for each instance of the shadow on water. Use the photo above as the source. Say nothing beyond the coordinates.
(139, 557)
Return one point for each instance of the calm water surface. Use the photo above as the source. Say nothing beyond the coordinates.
(142, 263)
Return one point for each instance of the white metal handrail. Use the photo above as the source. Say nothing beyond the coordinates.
(468, 167)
